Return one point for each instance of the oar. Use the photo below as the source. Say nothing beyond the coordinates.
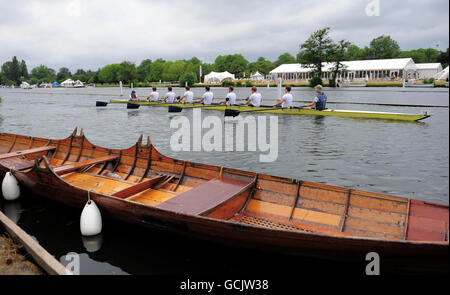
(132, 106)
(175, 109)
(101, 104)
(234, 113)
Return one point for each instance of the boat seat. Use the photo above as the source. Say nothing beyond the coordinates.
(17, 163)
(76, 166)
(206, 196)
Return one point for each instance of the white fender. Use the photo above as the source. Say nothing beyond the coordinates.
(10, 187)
(91, 220)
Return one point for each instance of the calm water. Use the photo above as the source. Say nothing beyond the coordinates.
(404, 159)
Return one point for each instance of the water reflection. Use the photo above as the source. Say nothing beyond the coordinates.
(92, 244)
(13, 209)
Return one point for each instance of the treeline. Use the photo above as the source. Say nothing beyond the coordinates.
(383, 47)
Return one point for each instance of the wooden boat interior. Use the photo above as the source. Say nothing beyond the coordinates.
(141, 174)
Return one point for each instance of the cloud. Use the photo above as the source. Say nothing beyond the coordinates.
(90, 34)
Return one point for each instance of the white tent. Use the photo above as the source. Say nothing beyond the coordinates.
(214, 77)
(428, 70)
(68, 83)
(257, 76)
(25, 85)
(442, 75)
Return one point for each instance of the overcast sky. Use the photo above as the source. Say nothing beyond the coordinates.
(90, 34)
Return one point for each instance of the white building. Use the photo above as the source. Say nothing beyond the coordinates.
(428, 70)
(398, 68)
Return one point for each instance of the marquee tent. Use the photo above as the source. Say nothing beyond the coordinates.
(442, 75)
(214, 77)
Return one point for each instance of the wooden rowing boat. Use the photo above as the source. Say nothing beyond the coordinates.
(291, 216)
(296, 111)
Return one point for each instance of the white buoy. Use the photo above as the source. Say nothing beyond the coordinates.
(92, 244)
(10, 187)
(91, 219)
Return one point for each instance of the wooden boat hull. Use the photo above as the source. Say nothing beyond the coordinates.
(297, 111)
(254, 215)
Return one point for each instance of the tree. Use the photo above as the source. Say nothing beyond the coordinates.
(143, 70)
(156, 70)
(353, 52)
(337, 55)
(315, 51)
(63, 74)
(127, 72)
(81, 75)
(109, 73)
(235, 64)
(443, 58)
(285, 58)
(189, 78)
(12, 72)
(43, 74)
(23, 70)
(383, 47)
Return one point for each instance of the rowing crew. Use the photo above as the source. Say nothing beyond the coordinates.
(255, 99)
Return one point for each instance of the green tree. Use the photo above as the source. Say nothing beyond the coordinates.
(188, 77)
(315, 51)
(127, 72)
(63, 74)
(235, 64)
(353, 52)
(109, 73)
(12, 72)
(443, 58)
(143, 70)
(285, 58)
(156, 70)
(383, 47)
(337, 55)
(81, 75)
(23, 70)
(43, 74)
(172, 70)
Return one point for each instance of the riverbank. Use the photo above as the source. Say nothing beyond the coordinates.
(14, 260)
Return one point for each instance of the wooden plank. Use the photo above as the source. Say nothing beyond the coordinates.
(75, 166)
(206, 196)
(134, 162)
(180, 179)
(13, 143)
(408, 212)
(69, 150)
(27, 152)
(39, 254)
(138, 188)
(345, 214)
(294, 205)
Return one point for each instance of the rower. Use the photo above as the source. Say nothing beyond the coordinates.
(255, 99)
(320, 101)
(207, 97)
(170, 96)
(133, 96)
(231, 97)
(287, 99)
(188, 96)
(154, 96)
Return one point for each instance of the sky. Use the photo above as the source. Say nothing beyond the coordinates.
(89, 34)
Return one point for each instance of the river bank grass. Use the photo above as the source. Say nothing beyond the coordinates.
(14, 260)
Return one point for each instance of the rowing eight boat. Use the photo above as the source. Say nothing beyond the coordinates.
(294, 111)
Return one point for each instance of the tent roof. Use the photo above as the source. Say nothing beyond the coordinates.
(433, 66)
(442, 74)
(219, 76)
(356, 65)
